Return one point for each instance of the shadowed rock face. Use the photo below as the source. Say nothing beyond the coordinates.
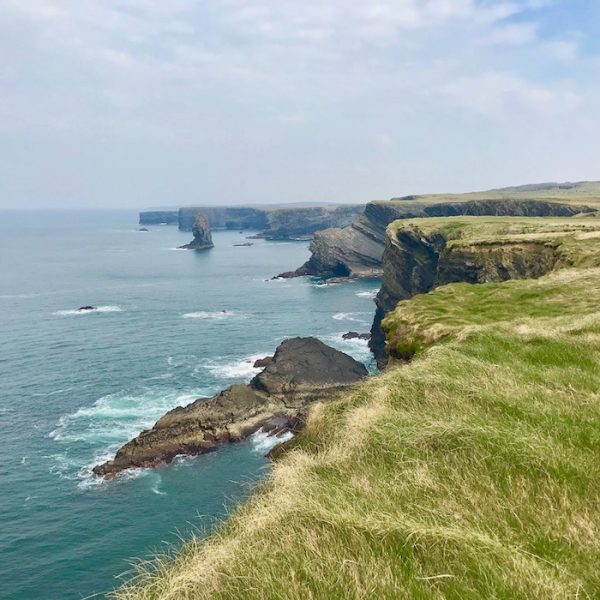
(303, 370)
(202, 236)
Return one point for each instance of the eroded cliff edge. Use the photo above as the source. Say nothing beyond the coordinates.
(421, 255)
(303, 370)
(357, 250)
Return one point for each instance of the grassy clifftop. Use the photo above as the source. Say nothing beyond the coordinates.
(581, 192)
(471, 472)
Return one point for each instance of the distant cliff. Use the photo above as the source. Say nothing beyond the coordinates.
(159, 217)
(357, 250)
(275, 223)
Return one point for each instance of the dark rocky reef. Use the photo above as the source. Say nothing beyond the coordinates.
(159, 217)
(415, 262)
(303, 370)
(202, 236)
(357, 250)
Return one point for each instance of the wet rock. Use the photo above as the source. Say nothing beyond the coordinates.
(302, 371)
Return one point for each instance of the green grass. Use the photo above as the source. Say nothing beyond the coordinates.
(471, 472)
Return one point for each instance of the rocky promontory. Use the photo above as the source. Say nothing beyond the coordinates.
(202, 236)
(303, 370)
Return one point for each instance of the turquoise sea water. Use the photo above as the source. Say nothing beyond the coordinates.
(74, 386)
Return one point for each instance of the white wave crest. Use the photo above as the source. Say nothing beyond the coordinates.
(237, 369)
(367, 293)
(92, 434)
(355, 317)
(221, 314)
(96, 309)
(262, 442)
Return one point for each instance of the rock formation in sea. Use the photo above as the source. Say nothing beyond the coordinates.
(357, 250)
(202, 236)
(303, 370)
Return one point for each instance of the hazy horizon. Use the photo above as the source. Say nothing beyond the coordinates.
(137, 104)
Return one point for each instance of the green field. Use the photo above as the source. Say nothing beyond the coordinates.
(471, 472)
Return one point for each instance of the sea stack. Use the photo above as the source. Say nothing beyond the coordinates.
(202, 236)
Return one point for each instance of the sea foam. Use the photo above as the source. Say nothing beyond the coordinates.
(218, 315)
(355, 317)
(233, 369)
(367, 293)
(92, 434)
(97, 309)
(262, 442)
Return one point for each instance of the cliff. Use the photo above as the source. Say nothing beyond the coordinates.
(159, 217)
(224, 217)
(421, 255)
(472, 471)
(357, 250)
(276, 223)
(202, 235)
(302, 371)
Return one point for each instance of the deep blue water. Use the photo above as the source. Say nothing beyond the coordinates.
(74, 387)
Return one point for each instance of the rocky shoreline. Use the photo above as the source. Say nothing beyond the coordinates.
(302, 371)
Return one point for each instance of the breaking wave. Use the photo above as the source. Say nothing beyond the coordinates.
(96, 309)
(262, 442)
(92, 434)
(221, 314)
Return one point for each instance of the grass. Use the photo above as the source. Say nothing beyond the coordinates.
(584, 193)
(471, 472)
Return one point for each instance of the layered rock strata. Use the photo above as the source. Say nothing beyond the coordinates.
(357, 250)
(416, 260)
(303, 370)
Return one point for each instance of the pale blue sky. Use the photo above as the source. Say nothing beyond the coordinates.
(134, 103)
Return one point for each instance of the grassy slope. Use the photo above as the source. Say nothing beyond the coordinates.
(473, 472)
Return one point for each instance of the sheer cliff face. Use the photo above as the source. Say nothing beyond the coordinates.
(415, 261)
(357, 250)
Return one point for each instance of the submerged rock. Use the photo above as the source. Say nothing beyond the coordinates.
(354, 335)
(302, 370)
(86, 308)
(202, 236)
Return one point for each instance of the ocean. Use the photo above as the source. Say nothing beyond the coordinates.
(170, 326)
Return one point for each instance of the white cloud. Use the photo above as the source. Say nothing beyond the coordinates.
(317, 81)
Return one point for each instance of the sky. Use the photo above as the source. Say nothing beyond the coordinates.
(148, 103)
